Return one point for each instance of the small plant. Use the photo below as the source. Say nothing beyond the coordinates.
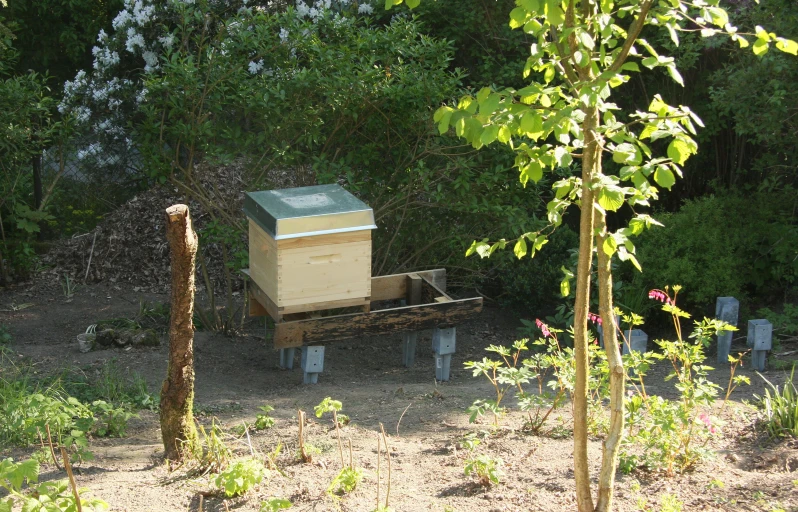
(5, 335)
(334, 407)
(346, 481)
(211, 454)
(274, 505)
(485, 469)
(264, 421)
(780, 407)
(240, 476)
(47, 496)
(670, 503)
(110, 421)
(68, 287)
(735, 380)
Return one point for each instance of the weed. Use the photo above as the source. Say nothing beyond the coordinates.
(48, 496)
(211, 453)
(68, 287)
(240, 476)
(110, 421)
(274, 505)
(485, 468)
(5, 335)
(346, 481)
(264, 421)
(780, 407)
(334, 407)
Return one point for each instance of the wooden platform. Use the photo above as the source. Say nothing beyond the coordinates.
(425, 293)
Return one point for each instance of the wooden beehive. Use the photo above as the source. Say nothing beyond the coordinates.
(309, 248)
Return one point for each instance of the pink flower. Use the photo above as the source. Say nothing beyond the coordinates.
(543, 328)
(660, 296)
(707, 421)
(594, 318)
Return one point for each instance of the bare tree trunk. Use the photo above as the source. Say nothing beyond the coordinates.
(177, 394)
(612, 443)
(590, 162)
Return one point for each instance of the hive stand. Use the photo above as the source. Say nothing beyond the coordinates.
(760, 339)
(428, 307)
(726, 309)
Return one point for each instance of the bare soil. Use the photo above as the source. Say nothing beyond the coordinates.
(425, 422)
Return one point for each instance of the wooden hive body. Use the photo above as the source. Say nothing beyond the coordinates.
(310, 249)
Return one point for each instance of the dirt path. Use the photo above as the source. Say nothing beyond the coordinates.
(236, 375)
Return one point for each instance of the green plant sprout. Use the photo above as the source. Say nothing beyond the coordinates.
(735, 381)
(345, 481)
(239, 477)
(49, 496)
(274, 505)
(332, 406)
(780, 407)
(485, 469)
(264, 421)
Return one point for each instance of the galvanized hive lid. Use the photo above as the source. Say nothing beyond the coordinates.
(307, 211)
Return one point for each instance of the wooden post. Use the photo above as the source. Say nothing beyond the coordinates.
(177, 394)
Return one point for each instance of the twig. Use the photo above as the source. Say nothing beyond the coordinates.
(302, 453)
(68, 468)
(388, 453)
(50, 440)
(338, 432)
(400, 418)
(351, 466)
(378, 471)
(200, 502)
(226, 507)
(249, 440)
(91, 253)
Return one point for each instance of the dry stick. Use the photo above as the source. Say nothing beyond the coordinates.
(226, 507)
(378, 471)
(302, 453)
(351, 466)
(338, 432)
(50, 441)
(400, 418)
(388, 453)
(200, 502)
(91, 253)
(68, 468)
(249, 441)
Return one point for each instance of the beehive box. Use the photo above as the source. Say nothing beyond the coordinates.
(310, 248)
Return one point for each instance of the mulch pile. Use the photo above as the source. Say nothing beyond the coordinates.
(129, 246)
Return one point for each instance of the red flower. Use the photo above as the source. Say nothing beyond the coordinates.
(594, 318)
(660, 296)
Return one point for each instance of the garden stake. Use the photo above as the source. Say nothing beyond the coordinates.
(200, 502)
(71, 478)
(378, 471)
(400, 418)
(338, 432)
(52, 452)
(388, 454)
(350, 454)
(302, 453)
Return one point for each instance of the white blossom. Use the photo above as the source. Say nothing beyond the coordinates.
(134, 39)
(302, 10)
(365, 8)
(121, 19)
(168, 40)
(151, 60)
(142, 13)
(283, 34)
(82, 114)
(141, 96)
(101, 36)
(255, 67)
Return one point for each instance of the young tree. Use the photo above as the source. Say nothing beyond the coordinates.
(583, 50)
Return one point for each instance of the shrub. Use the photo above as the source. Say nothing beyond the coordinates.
(239, 477)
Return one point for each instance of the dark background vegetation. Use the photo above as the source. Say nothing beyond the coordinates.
(361, 115)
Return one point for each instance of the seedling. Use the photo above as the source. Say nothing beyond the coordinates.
(240, 476)
(346, 481)
(274, 505)
(68, 287)
(735, 381)
(332, 406)
(264, 421)
(485, 468)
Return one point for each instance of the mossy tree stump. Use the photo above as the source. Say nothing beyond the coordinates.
(177, 394)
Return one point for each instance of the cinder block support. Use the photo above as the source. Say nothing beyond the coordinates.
(760, 340)
(637, 342)
(726, 309)
(409, 342)
(312, 363)
(287, 358)
(443, 346)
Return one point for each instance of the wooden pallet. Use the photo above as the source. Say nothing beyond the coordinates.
(428, 307)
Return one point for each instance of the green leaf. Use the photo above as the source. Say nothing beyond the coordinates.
(413, 3)
(540, 241)
(490, 104)
(664, 177)
(532, 6)
(674, 73)
(678, 151)
(554, 13)
(719, 16)
(520, 248)
(787, 45)
(760, 47)
(627, 154)
(586, 40)
(517, 17)
(562, 157)
(532, 125)
(609, 246)
(533, 171)
(489, 134)
(504, 134)
(610, 199)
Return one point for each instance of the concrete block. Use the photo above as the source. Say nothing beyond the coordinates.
(287, 358)
(310, 378)
(726, 309)
(760, 334)
(313, 359)
(443, 364)
(636, 342)
(758, 360)
(409, 342)
(443, 340)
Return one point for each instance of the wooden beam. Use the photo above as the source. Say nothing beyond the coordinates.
(341, 327)
(414, 282)
(394, 287)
